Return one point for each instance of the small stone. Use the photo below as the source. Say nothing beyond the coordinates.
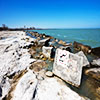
(62, 42)
(49, 73)
(41, 56)
(44, 59)
(51, 59)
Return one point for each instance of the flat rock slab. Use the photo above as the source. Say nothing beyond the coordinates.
(68, 66)
(55, 89)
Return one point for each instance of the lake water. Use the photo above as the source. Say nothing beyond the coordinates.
(86, 36)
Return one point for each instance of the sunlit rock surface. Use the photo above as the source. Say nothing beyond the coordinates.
(55, 89)
(13, 57)
(96, 62)
(17, 80)
(68, 66)
(85, 60)
(25, 89)
(47, 51)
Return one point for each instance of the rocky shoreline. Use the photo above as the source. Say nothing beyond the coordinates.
(29, 71)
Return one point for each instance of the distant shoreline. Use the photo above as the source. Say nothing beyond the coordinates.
(17, 29)
(23, 29)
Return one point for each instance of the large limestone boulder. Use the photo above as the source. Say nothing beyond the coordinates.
(55, 89)
(26, 86)
(85, 60)
(47, 51)
(68, 66)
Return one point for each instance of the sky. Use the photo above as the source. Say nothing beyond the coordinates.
(50, 13)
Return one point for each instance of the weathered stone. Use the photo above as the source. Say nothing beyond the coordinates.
(44, 42)
(91, 87)
(62, 42)
(4, 87)
(47, 51)
(85, 60)
(94, 73)
(55, 89)
(81, 47)
(49, 73)
(96, 62)
(13, 82)
(13, 57)
(26, 86)
(68, 66)
(96, 51)
(41, 75)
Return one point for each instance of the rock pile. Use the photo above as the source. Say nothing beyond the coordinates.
(24, 63)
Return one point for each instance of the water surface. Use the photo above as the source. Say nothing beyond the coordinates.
(86, 36)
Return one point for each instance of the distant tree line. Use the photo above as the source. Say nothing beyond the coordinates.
(4, 27)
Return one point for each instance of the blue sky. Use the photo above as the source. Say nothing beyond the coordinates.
(50, 13)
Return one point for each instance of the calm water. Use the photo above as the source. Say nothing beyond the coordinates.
(86, 36)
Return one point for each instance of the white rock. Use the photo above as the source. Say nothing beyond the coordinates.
(49, 73)
(68, 66)
(13, 58)
(26, 86)
(5, 87)
(96, 62)
(47, 51)
(85, 60)
(55, 89)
